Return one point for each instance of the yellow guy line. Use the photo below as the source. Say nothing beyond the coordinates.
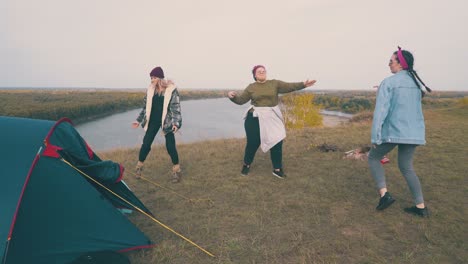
(165, 188)
(174, 192)
(139, 210)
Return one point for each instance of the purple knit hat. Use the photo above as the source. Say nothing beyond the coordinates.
(157, 72)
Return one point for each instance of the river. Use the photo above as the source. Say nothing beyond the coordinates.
(204, 119)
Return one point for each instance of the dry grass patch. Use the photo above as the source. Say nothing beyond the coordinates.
(324, 212)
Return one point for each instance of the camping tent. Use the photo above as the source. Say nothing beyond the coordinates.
(50, 212)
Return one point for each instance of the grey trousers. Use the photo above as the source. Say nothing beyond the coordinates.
(405, 164)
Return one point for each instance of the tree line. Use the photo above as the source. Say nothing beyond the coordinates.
(77, 105)
(346, 105)
(82, 105)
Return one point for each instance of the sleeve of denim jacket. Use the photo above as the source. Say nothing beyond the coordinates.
(382, 107)
(174, 107)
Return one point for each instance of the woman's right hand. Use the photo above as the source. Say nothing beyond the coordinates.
(232, 94)
(308, 83)
(135, 124)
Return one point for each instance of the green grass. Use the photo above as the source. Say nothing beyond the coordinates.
(324, 212)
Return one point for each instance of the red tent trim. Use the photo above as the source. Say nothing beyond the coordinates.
(36, 159)
(66, 119)
(122, 169)
(89, 150)
(51, 151)
(135, 248)
(21, 195)
(61, 120)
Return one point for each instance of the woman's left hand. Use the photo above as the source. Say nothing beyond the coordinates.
(309, 83)
(232, 94)
(174, 129)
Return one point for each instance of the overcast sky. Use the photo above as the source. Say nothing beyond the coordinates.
(215, 43)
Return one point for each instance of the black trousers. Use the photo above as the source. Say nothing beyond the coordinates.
(252, 131)
(148, 141)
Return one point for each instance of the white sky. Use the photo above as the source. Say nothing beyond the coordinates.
(215, 43)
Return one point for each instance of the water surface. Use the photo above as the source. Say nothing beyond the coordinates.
(201, 120)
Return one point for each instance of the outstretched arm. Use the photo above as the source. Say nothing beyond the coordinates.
(284, 87)
(240, 99)
(308, 83)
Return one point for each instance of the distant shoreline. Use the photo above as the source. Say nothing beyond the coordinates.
(200, 89)
(87, 104)
(80, 105)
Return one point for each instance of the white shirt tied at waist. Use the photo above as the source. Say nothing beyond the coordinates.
(271, 123)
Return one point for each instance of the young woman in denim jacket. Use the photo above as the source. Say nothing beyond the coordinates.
(161, 110)
(398, 121)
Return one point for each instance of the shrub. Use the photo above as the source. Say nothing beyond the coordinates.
(463, 102)
(300, 111)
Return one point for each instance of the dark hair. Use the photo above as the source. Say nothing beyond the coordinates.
(254, 70)
(414, 75)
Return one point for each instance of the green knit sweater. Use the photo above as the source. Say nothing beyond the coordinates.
(266, 94)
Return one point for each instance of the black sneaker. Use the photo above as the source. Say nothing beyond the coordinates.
(385, 201)
(424, 212)
(245, 170)
(279, 173)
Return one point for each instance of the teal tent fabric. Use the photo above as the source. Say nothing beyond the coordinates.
(52, 212)
(16, 157)
(75, 151)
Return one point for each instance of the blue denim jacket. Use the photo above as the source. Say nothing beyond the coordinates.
(398, 116)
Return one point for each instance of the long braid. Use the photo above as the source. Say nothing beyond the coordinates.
(410, 61)
(412, 73)
(427, 88)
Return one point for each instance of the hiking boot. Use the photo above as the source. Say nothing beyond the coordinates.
(245, 170)
(138, 170)
(424, 212)
(385, 201)
(176, 173)
(279, 173)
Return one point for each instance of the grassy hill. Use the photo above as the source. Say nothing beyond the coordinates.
(324, 212)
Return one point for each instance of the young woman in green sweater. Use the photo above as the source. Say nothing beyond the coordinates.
(264, 124)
